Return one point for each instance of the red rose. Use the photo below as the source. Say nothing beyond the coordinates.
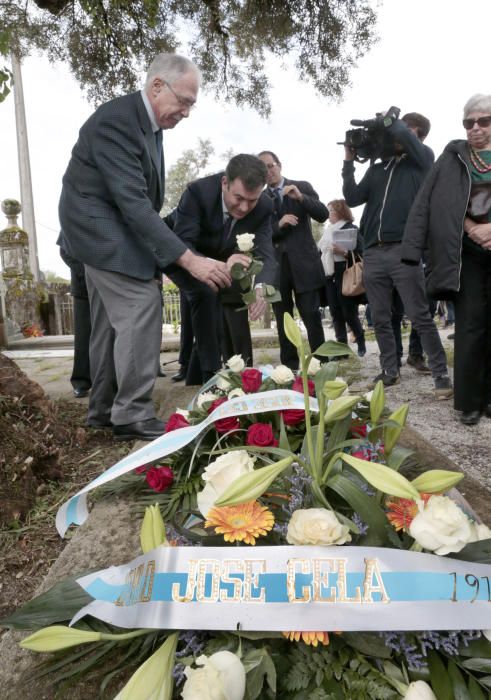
(251, 380)
(160, 478)
(224, 425)
(298, 386)
(176, 421)
(359, 430)
(142, 469)
(293, 416)
(261, 435)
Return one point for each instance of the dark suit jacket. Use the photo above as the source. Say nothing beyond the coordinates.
(297, 241)
(112, 194)
(199, 224)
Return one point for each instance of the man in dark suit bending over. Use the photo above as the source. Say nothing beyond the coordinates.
(112, 193)
(211, 213)
(299, 264)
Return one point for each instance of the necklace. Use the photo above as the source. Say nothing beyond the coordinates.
(479, 164)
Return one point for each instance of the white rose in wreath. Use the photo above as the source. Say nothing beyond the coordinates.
(221, 677)
(314, 367)
(235, 363)
(205, 397)
(245, 242)
(481, 532)
(220, 474)
(282, 375)
(441, 526)
(317, 526)
(223, 384)
(419, 690)
(235, 393)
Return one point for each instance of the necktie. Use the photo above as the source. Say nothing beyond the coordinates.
(227, 227)
(277, 200)
(158, 144)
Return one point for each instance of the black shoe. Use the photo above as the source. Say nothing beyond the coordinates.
(161, 372)
(451, 336)
(470, 417)
(141, 430)
(362, 352)
(80, 393)
(417, 361)
(102, 423)
(180, 376)
(386, 379)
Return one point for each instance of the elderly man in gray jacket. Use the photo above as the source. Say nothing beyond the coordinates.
(113, 190)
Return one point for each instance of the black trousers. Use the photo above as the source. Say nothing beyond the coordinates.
(415, 348)
(344, 310)
(236, 338)
(186, 334)
(307, 304)
(472, 359)
(80, 378)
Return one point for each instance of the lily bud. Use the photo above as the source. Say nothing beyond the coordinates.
(419, 690)
(292, 331)
(340, 408)
(377, 402)
(58, 637)
(382, 478)
(153, 679)
(436, 481)
(249, 487)
(152, 533)
(334, 389)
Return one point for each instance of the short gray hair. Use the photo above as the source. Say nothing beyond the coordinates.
(170, 67)
(477, 103)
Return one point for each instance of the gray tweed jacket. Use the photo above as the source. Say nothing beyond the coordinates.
(112, 194)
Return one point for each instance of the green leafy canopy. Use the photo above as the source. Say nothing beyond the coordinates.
(107, 44)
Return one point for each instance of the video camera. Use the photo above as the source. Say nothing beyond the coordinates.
(371, 140)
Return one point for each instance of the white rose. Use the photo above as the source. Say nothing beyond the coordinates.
(441, 526)
(222, 677)
(236, 392)
(183, 412)
(206, 396)
(222, 383)
(419, 690)
(220, 474)
(282, 375)
(317, 526)
(481, 532)
(314, 367)
(235, 363)
(245, 242)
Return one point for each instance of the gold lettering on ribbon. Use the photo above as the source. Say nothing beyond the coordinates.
(292, 566)
(342, 587)
(203, 570)
(147, 587)
(253, 567)
(320, 580)
(190, 585)
(237, 566)
(372, 570)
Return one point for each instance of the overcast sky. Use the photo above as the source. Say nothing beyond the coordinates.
(431, 57)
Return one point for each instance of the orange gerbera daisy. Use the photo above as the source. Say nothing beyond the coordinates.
(402, 511)
(313, 638)
(241, 523)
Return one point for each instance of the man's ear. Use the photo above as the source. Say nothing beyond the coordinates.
(224, 182)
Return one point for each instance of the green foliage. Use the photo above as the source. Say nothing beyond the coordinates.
(188, 167)
(107, 43)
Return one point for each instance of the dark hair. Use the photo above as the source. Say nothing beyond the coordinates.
(250, 169)
(342, 209)
(418, 122)
(270, 153)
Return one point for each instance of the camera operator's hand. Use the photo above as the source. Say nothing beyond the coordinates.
(288, 220)
(293, 192)
(338, 250)
(349, 153)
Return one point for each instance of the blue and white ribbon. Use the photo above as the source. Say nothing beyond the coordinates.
(291, 588)
(75, 512)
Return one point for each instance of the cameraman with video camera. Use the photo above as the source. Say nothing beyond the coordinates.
(388, 190)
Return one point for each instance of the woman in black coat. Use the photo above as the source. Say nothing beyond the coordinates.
(451, 221)
(344, 310)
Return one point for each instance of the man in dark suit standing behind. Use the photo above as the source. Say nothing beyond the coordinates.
(112, 193)
(300, 267)
(211, 213)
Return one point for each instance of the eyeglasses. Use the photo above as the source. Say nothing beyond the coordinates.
(481, 121)
(185, 102)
